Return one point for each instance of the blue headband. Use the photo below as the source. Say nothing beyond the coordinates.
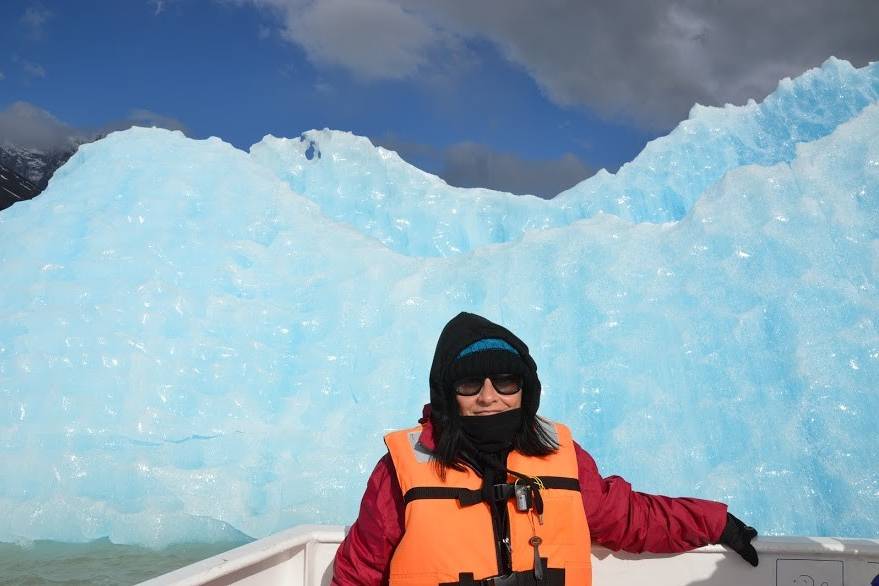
(487, 344)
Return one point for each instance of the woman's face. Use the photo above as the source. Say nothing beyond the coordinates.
(488, 401)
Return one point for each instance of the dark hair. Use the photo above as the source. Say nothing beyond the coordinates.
(532, 439)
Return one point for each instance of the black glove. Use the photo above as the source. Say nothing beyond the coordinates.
(737, 536)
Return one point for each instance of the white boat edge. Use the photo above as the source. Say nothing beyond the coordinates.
(303, 555)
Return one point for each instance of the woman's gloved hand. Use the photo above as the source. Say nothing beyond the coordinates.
(737, 536)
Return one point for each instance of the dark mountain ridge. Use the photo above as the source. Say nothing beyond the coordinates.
(14, 187)
(27, 170)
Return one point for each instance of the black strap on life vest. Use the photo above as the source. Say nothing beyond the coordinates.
(467, 497)
(552, 577)
(464, 496)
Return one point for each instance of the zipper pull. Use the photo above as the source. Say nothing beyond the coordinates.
(538, 563)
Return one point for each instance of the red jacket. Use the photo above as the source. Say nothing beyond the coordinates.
(619, 519)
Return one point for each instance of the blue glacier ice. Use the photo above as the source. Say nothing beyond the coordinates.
(375, 191)
(198, 342)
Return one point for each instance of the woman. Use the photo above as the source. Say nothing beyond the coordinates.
(483, 491)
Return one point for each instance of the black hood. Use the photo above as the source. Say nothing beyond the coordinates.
(460, 332)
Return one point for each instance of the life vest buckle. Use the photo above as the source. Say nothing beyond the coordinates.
(503, 492)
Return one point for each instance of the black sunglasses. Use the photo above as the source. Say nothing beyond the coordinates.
(504, 384)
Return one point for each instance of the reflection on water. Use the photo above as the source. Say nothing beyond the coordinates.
(99, 562)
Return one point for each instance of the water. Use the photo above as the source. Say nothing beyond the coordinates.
(99, 563)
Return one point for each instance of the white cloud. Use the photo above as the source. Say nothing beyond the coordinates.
(372, 39)
(375, 39)
(34, 18)
(30, 68)
(2, 77)
(34, 69)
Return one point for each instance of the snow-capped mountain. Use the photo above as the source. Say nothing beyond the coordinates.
(33, 143)
(36, 165)
(14, 187)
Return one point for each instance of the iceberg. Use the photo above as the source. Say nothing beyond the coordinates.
(417, 214)
(199, 343)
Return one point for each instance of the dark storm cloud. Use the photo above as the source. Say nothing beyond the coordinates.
(141, 117)
(468, 164)
(422, 155)
(650, 61)
(474, 165)
(29, 126)
(646, 62)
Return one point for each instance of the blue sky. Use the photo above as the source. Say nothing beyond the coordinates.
(511, 94)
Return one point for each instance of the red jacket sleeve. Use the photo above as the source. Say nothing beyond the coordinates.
(364, 557)
(622, 519)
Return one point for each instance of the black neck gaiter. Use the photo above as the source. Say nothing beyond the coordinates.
(492, 433)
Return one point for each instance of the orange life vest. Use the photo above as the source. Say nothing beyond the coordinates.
(445, 540)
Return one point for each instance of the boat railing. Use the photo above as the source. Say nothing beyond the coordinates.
(304, 555)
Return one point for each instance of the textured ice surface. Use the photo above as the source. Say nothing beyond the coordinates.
(197, 341)
(417, 214)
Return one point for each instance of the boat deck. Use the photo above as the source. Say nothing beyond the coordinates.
(303, 556)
